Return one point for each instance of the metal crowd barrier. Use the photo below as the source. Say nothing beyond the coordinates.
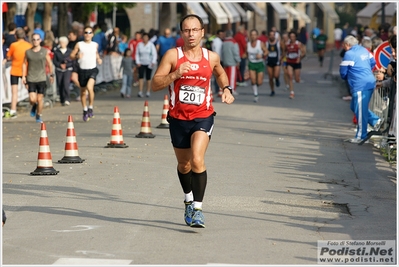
(383, 104)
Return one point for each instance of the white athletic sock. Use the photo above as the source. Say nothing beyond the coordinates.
(197, 205)
(85, 109)
(188, 197)
(90, 107)
(255, 89)
(12, 111)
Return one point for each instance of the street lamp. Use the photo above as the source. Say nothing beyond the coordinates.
(114, 16)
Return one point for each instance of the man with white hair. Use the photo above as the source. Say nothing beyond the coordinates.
(356, 67)
(63, 69)
(369, 33)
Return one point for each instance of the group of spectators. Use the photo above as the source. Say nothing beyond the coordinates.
(260, 53)
(383, 32)
(143, 52)
(358, 68)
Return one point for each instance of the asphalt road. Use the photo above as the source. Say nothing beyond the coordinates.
(280, 178)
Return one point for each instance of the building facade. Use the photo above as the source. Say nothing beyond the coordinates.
(228, 15)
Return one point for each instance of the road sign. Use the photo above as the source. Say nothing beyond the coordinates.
(382, 55)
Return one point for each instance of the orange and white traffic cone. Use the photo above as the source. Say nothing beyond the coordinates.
(145, 131)
(116, 133)
(44, 159)
(71, 147)
(164, 122)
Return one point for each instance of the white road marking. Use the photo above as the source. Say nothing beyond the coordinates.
(84, 261)
(87, 252)
(85, 228)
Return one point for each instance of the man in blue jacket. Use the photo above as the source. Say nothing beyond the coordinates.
(100, 39)
(356, 67)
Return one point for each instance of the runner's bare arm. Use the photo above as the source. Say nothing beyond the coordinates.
(99, 60)
(24, 70)
(303, 50)
(221, 77)
(218, 71)
(264, 49)
(74, 53)
(164, 74)
(50, 66)
(283, 50)
(50, 63)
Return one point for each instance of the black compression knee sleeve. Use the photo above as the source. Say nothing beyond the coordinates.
(198, 184)
(185, 181)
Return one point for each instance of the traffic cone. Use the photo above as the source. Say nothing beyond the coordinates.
(71, 147)
(145, 131)
(164, 123)
(116, 133)
(44, 159)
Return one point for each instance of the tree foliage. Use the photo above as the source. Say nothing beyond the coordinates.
(105, 7)
(82, 11)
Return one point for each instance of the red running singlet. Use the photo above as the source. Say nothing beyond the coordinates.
(191, 94)
(293, 52)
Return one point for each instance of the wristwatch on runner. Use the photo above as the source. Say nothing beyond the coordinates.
(228, 87)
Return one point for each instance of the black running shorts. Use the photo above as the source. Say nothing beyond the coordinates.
(181, 130)
(295, 65)
(38, 87)
(85, 75)
(14, 79)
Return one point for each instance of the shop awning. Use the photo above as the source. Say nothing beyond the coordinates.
(241, 11)
(304, 16)
(254, 7)
(217, 12)
(369, 10)
(196, 8)
(327, 8)
(390, 9)
(281, 11)
(295, 14)
(231, 12)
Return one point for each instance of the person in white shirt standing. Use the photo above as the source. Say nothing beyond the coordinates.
(146, 60)
(338, 38)
(87, 54)
(217, 47)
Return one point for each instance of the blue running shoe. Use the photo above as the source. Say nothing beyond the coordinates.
(272, 93)
(198, 219)
(33, 111)
(39, 119)
(90, 113)
(188, 212)
(85, 116)
(277, 82)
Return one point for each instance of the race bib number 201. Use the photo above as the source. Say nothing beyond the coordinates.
(193, 95)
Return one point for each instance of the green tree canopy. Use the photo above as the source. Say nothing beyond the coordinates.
(106, 7)
(82, 11)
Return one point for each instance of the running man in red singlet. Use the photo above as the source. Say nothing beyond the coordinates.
(294, 51)
(187, 70)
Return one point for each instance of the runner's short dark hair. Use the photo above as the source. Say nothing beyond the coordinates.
(191, 16)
